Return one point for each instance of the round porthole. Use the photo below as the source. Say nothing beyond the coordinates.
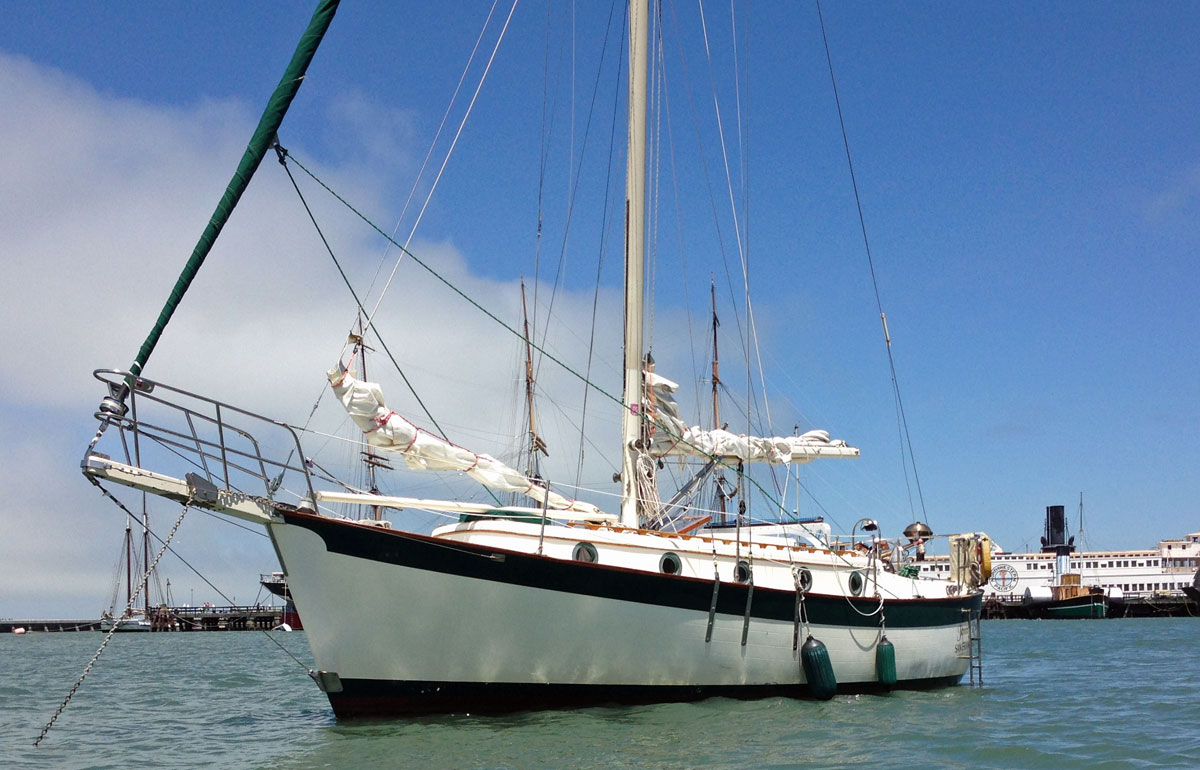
(804, 579)
(670, 564)
(585, 552)
(856, 583)
(741, 573)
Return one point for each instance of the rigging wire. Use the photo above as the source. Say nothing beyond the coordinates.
(445, 161)
(607, 220)
(750, 341)
(438, 134)
(499, 321)
(743, 256)
(577, 177)
(283, 156)
(906, 438)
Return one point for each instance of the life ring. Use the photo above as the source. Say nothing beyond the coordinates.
(984, 557)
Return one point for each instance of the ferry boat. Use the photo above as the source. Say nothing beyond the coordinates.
(1164, 571)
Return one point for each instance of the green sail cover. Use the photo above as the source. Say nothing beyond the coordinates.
(263, 137)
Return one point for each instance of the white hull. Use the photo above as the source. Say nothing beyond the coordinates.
(136, 624)
(407, 638)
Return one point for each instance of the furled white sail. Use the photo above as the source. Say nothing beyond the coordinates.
(672, 436)
(390, 432)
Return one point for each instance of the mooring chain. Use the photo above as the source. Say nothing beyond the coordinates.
(88, 669)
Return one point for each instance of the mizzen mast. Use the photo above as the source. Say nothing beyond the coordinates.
(536, 444)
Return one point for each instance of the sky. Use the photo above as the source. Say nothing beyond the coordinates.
(1029, 177)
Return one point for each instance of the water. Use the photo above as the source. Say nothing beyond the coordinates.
(1059, 694)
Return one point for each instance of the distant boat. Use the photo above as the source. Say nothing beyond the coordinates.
(1163, 571)
(131, 618)
(1069, 599)
(276, 583)
(1193, 591)
(135, 620)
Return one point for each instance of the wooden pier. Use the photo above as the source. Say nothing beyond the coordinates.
(1140, 605)
(248, 618)
(30, 626)
(206, 618)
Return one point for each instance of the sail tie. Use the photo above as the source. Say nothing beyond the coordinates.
(383, 420)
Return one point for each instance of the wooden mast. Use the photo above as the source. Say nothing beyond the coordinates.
(370, 458)
(716, 407)
(536, 444)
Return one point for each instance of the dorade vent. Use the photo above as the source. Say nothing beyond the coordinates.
(585, 552)
(670, 564)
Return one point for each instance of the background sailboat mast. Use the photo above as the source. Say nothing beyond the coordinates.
(128, 564)
(716, 405)
(635, 222)
(145, 556)
(536, 444)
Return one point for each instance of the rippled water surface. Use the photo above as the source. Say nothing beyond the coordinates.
(1094, 694)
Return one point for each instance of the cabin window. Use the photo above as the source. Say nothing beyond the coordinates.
(741, 573)
(856, 583)
(670, 564)
(804, 578)
(585, 552)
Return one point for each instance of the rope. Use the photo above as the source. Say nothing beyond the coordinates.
(87, 670)
(438, 134)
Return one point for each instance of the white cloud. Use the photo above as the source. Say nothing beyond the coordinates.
(101, 205)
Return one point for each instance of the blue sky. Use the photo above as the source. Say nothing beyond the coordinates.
(1029, 175)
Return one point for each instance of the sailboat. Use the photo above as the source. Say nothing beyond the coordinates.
(131, 618)
(554, 603)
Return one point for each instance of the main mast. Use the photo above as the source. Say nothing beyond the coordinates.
(635, 224)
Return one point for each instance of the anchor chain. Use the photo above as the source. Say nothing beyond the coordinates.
(88, 669)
